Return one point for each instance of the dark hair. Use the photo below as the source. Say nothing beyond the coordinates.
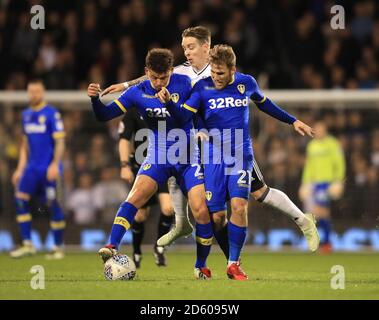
(222, 54)
(201, 33)
(159, 60)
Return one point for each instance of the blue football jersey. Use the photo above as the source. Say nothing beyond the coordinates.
(227, 110)
(159, 120)
(41, 127)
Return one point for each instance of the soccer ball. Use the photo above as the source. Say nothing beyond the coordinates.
(119, 267)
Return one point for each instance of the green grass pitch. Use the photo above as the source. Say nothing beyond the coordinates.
(272, 276)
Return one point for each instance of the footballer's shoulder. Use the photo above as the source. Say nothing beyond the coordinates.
(180, 77)
(332, 140)
(140, 87)
(50, 109)
(182, 67)
(245, 77)
(205, 82)
(27, 111)
(180, 80)
(247, 80)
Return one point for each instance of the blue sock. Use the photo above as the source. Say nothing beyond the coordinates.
(24, 219)
(237, 237)
(122, 222)
(204, 236)
(325, 226)
(222, 238)
(57, 223)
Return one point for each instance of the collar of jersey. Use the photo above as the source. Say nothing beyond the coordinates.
(39, 107)
(233, 78)
(201, 71)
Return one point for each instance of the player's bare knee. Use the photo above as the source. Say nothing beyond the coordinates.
(142, 215)
(201, 213)
(139, 218)
(219, 220)
(137, 199)
(260, 194)
(239, 207)
(167, 209)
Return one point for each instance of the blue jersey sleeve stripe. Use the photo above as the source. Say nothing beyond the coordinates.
(263, 100)
(189, 108)
(120, 105)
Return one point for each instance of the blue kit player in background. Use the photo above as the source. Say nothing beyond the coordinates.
(161, 119)
(39, 169)
(222, 102)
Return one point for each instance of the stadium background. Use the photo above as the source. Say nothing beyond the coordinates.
(284, 44)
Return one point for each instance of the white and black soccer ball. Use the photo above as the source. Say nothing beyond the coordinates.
(119, 267)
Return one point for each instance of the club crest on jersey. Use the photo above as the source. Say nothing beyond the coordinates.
(146, 167)
(42, 119)
(175, 97)
(208, 195)
(241, 88)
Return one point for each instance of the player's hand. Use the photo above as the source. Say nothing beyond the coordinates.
(303, 128)
(336, 190)
(127, 175)
(16, 177)
(163, 95)
(119, 87)
(305, 192)
(93, 90)
(202, 136)
(52, 172)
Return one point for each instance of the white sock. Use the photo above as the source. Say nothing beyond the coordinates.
(27, 243)
(179, 202)
(231, 262)
(279, 200)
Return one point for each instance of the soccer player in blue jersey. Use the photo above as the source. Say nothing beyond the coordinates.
(159, 164)
(39, 169)
(196, 43)
(222, 101)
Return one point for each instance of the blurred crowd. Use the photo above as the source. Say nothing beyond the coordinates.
(93, 189)
(284, 43)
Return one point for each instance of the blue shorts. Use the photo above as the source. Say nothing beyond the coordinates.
(320, 194)
(221, 187)
(187, 175)
(34, 183)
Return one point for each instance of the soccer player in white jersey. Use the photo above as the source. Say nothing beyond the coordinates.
(196, 43)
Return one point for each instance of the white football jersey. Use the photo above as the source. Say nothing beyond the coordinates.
(189, 71)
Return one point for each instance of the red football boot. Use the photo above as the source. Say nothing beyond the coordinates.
(235, 272)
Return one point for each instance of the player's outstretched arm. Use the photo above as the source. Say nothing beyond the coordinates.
(103, 112)
(53, 169)
(21, 161)
(303, 128)
(119, 87)
(269, 107)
